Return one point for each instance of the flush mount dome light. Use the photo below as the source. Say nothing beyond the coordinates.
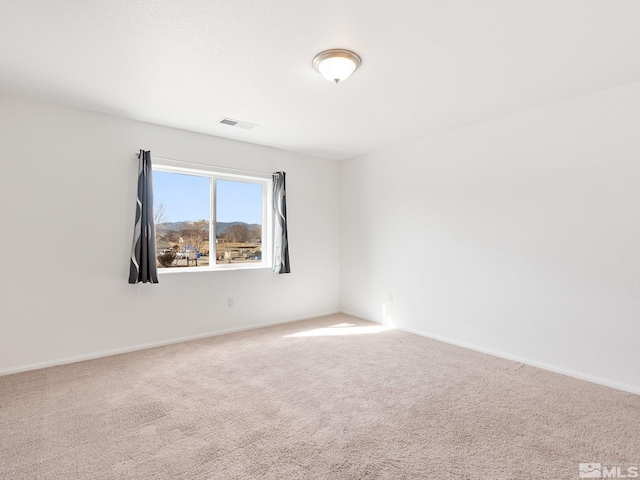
(336, 65)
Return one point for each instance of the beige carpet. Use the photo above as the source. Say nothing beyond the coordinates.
(309, 400)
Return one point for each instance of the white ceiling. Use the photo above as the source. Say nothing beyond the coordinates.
(428, 65)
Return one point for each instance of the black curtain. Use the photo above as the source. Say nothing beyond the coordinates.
(280, 239)
(143, 268)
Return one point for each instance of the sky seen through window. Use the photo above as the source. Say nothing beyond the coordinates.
(186, 198)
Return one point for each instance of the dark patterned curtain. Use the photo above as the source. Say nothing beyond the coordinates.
(143, 267)
(280, 240)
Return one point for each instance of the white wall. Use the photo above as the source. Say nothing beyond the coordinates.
(67, 196)
(519, 236)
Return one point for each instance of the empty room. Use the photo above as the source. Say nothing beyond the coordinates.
(319, 240)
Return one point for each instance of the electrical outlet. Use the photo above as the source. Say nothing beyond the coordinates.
(230, 301)
(390, 297)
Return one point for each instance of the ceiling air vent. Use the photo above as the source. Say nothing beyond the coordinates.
(236, 123)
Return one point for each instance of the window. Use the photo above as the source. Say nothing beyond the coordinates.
(210, 220)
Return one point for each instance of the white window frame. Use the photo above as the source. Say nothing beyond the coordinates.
(217, 173)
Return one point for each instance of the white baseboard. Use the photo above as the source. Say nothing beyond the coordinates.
(544, 366)
(144, 346)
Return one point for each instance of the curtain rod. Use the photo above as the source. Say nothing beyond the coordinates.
(207, 165)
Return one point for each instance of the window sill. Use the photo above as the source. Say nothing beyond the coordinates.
(221, 268)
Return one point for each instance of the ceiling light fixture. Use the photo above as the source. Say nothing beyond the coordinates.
(337, 64)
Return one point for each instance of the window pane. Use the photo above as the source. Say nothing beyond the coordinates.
(182, 209)
(238, 222)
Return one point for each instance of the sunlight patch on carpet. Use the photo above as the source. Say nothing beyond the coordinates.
(341, 329)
